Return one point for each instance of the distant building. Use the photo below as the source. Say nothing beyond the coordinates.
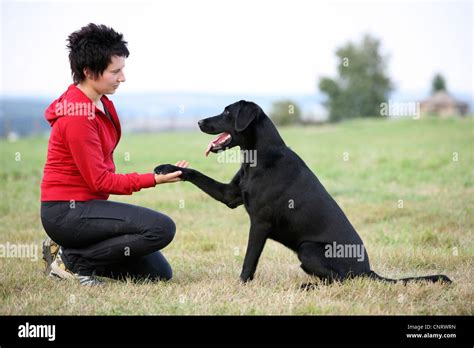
(443, 104)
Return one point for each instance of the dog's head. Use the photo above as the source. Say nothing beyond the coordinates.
(231, 125)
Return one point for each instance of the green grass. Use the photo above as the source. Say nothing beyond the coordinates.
(388, 161)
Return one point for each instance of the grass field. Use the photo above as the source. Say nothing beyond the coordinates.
(390, 163)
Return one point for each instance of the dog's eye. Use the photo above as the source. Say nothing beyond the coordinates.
(226, 112)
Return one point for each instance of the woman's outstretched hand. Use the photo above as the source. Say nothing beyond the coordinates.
(171, 177)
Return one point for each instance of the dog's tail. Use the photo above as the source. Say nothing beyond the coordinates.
(431, 278)
(372, 275)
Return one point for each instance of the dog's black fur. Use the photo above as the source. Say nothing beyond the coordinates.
(284, 199)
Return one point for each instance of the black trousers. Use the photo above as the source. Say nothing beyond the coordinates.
(110, 239)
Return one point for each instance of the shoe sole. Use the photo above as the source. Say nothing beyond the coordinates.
(75, 278)
(50, 250)
(59, 272)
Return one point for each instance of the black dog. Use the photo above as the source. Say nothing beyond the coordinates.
(284, 199)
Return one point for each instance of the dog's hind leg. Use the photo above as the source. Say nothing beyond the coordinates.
(313, 263)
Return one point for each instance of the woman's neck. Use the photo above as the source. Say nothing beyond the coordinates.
(90, 92)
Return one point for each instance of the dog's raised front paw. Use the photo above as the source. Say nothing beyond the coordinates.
(166, 169)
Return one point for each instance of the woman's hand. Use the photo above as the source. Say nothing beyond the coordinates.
(171, 177)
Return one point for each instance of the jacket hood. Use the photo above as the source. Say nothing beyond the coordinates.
(72, 102)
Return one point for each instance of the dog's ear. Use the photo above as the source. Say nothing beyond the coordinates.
(247, 113)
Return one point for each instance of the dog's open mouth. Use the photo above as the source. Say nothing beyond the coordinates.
(218, 143)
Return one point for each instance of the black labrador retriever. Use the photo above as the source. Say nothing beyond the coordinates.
(284, 199)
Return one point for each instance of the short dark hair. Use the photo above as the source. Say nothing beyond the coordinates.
(92, 47)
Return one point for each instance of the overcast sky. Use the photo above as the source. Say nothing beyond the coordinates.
(242, 46)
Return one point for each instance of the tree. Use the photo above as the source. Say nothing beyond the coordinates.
(362, 84)
(285, 112)
(438, 84)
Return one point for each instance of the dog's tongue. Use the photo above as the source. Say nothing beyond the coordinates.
(220, 139)
(209, 147)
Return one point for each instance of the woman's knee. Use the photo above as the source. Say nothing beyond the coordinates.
(169, 229)
(162, 230)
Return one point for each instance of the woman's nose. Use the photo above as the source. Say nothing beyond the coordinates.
(122, 78)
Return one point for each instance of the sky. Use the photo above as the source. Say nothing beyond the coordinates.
(252, 47)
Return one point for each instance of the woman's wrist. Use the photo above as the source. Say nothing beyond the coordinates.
(167, 178)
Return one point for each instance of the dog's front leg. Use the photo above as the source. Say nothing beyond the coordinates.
(229, 194)
(257, 238)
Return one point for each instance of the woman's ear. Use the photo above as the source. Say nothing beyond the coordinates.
(86, 73)
(89, 74)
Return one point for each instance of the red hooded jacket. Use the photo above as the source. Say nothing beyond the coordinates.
(80, 163)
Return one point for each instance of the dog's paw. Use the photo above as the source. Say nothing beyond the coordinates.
(308, 286)
(245, 278)
(166, 169)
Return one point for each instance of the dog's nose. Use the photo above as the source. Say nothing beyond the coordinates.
(200, 123)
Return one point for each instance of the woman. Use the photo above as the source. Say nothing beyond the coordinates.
(97, 236)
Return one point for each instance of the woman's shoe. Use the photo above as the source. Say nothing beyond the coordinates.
(59, 270)
(89, 280)
(50, 252)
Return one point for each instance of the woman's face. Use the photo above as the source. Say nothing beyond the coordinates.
(109, 81)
